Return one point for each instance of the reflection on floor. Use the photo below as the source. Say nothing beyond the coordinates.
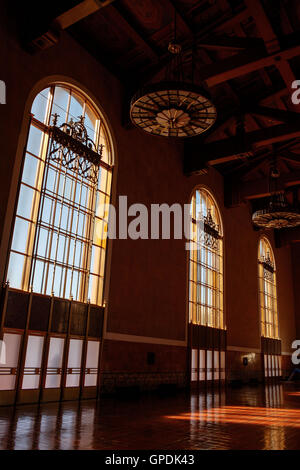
(248, 418)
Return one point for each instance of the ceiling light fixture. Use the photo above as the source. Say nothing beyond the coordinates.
(175, 107)
(277, 213)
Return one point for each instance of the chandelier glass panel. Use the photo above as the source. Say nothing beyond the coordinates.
(206, 262)
(59, 243)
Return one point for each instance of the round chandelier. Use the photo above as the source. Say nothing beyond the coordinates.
(174, 107)
(277, 213)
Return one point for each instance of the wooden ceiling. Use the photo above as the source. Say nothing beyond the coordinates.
(246, 54)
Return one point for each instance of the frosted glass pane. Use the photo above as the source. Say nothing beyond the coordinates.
(34, 351)
(266, 365)
(12, 345)
(222, 359)
(280, 365)
(75, 350)
(53, 381)
(2, 352)
(92, 363)
(73, 380)
(15, 270)
(74, 362)
(273, 366)
(7, 382)
(33, 359)
(10, 348)
(223, 373)
(31, 382)
(20, 237)
(209, 365)
(55, 357)
(40, 104)
(202, 364)
(216, 365)
(276, 365)
(56, 349)
(194, 365)
(92, 354)
(90, 380)
(270, 365)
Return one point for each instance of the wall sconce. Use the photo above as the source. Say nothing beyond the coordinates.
(248, 359)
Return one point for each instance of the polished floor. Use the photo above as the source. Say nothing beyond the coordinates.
(249, 418)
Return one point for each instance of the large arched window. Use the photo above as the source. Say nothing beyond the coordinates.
(58, 247)
(206, 262)
(267, 290)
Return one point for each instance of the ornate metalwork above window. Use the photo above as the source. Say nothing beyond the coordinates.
(71, 147)
(209, 233)
(268, 266)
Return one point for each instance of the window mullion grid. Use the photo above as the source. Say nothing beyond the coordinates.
(75, 238)
(68, 239)
(81, 280)
(36, 235)
(42, 164)
(61, 174)
(51, 227)
(90, 225)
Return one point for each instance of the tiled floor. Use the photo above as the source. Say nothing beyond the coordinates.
(248, 418)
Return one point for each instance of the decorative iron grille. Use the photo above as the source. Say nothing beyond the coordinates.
(209, 235)
(268, 267)
(71, 147)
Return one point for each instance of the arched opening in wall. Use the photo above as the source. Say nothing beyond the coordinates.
(207, 330)
(53, 302)
(270, 342)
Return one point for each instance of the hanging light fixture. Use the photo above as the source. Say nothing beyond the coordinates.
(174, 107)
(277, 213)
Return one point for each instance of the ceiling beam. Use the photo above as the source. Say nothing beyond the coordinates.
(133, 34)
(226, 22)
(259, 188)
(273, 113)
(264, 27)
(230, 43)
(41, 33)
(272, 42)
(181, 21)
(243, 64)
(199, 155)
(80, 11)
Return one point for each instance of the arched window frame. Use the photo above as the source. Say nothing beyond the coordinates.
(268, 301)
(91, 284)
(206, 262)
